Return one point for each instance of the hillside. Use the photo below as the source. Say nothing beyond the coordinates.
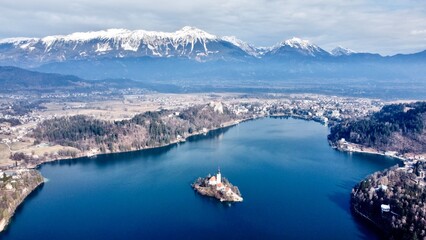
(14, 79)
(402, 189)
(396, 127)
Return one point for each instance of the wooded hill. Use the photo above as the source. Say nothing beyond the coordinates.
(400, 190)
(14, 79)
(396, 127)
(149, 129)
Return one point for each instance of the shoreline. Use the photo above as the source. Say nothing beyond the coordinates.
(375, 153)
(354, 148)
(88, 155)
(15, 204)
(408, 163)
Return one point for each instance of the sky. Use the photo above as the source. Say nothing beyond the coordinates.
(381, 26)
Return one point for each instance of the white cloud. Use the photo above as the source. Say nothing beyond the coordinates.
(418, 32)
(386, 27)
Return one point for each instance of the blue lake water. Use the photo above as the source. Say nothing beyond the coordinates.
(295, 186)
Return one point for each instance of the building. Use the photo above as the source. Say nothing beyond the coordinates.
(219, 176)
(220, 187)
(215, 180)
(9, 186)
(212, 181)
(385, 207)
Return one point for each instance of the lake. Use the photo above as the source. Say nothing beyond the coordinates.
(295, 186)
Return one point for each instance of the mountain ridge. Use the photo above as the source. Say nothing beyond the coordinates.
(188, 42)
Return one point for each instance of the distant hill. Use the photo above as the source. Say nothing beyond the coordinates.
(15, 78)
(18, 79)
(397, 127)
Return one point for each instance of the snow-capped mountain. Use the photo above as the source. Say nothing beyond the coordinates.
(296, 46)
(341, 51)
(187, 42)
(248, 48)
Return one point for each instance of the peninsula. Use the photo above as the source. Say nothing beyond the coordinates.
(397, 130)
(217, 187)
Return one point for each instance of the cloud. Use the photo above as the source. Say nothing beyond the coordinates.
(418, 32)
(386, 27)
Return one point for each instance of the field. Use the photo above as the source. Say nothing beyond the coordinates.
(129, 106)
(4, 155)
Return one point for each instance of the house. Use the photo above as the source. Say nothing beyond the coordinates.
(9, 173)
(212, 181)
(220, 187)
(9, 186)
(228, 191)
(382, 187)
(385, 207)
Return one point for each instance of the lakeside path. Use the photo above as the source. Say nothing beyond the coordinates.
(406, 158)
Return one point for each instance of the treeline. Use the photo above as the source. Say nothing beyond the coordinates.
(400, 190)
(35, 159)
(144, 130)
(396, 127)
(11, 121)
(23, 107)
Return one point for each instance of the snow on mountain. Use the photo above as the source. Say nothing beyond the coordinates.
(298, 43)
(297, 46)
(156, 43)
(188, 42)
(186, 33)
(248, 48)
(341, 51)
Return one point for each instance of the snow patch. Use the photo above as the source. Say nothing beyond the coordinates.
(251, 50)
(341, 51)
(103, 47)
(304, 45)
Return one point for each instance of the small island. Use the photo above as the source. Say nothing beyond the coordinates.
(217, 187)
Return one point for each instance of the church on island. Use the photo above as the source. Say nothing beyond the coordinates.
(217, 181)
(218, 187)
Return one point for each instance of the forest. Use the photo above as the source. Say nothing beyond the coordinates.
(396, 127)
(400, 190)
(149, 129)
